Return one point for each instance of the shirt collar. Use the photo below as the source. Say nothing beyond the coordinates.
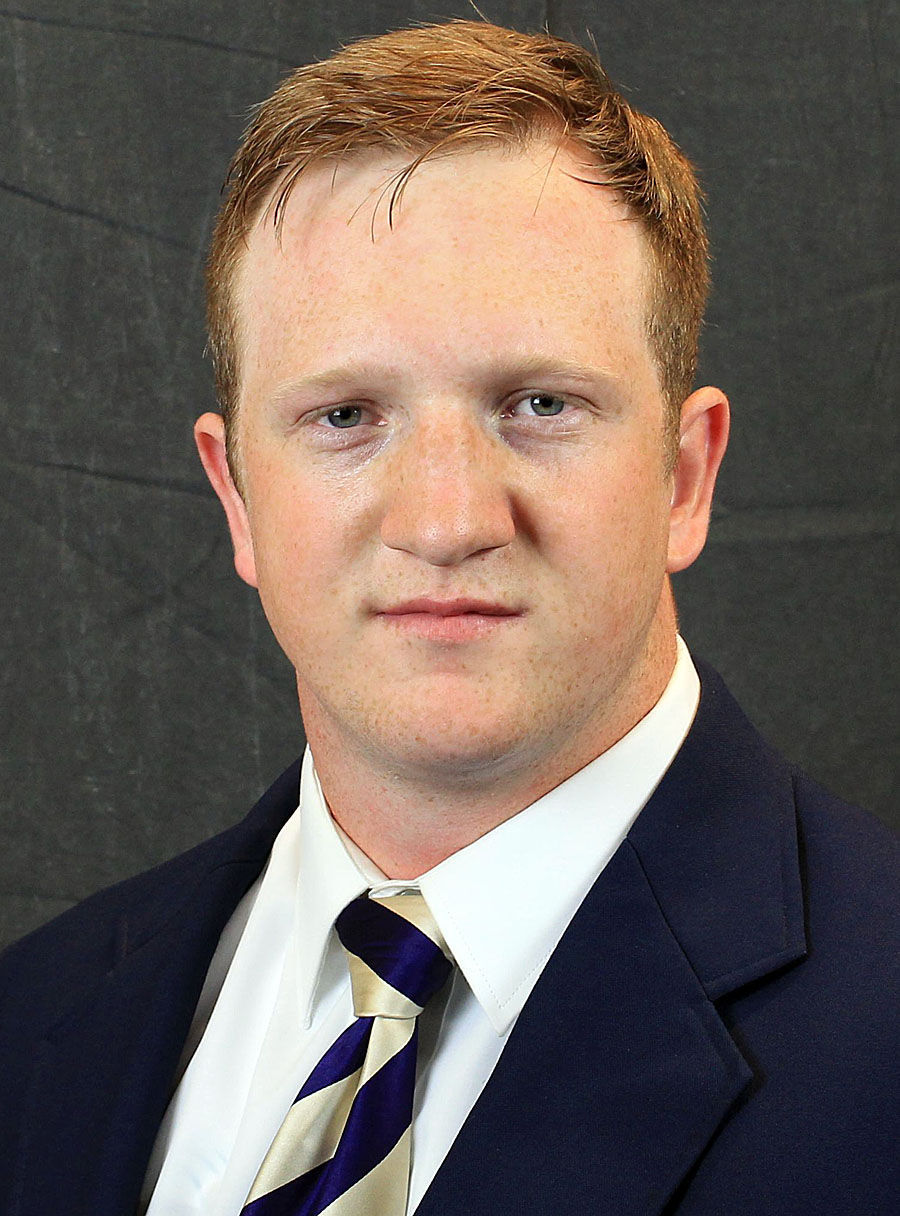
(504, 901)
(328, 879)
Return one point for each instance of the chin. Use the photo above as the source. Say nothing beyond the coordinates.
(471, 754)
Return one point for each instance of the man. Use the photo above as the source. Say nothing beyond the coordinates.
(455, 291)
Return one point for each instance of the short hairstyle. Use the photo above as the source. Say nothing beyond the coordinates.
(466, 85)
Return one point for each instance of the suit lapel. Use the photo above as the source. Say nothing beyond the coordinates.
(620, 1070)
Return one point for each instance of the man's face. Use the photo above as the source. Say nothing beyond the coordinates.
(457, 415)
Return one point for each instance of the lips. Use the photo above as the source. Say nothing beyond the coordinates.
(445, 608)
(448, 622)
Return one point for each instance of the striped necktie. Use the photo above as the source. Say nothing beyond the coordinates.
(343, 1148)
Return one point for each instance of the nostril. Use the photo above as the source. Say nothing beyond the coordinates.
(443, 526)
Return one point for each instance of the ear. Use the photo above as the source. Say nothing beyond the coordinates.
(209, 434)
(704, 437)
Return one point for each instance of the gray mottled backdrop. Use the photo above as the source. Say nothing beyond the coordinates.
(143, 703)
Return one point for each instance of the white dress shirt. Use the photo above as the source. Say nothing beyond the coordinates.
(277, 994)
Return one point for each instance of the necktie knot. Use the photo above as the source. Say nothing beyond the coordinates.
(397, 956)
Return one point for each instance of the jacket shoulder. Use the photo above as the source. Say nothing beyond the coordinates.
(850, 861)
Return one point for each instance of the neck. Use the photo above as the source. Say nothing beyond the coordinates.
(408, 819)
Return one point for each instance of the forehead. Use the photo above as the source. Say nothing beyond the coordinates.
(486, 248)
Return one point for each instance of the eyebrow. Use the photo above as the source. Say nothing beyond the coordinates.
(538, 366)
(331, 378)
(512, 371)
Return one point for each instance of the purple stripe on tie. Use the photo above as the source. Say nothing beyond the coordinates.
(345, 1055)
(394, 948)
(380, 1114)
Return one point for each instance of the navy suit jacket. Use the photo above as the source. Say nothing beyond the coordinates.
(715, 1033)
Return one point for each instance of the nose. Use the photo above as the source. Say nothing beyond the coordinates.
(448, 494)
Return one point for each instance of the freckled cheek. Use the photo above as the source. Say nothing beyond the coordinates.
(309, 553)
(607, 550)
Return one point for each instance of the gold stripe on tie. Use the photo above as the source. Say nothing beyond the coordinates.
(374, 997)
(383, 1190)
(312, 1127)
(309, 1135)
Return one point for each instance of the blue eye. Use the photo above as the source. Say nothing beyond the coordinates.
(545, 405)
(345, 416)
